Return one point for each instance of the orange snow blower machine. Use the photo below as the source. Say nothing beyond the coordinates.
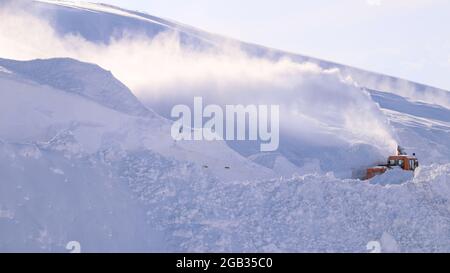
(402, 160)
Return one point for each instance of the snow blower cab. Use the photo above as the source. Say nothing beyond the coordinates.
(401, 160)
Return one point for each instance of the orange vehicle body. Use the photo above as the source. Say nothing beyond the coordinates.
(406, 162)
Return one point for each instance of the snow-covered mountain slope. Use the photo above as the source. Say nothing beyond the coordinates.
(101, 22)
(70, 157)
(163, 70)
(85, 158)
(44, 99)
(421, 127)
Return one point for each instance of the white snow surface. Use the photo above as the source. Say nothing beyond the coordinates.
(84, 158)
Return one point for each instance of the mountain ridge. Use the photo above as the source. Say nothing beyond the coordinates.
(103, 88)
(254, 49)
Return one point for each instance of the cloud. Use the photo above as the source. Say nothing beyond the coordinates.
(318, 106)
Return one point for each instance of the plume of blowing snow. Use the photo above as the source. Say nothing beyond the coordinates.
(314, 103)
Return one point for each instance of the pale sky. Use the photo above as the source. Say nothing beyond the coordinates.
(403, 38)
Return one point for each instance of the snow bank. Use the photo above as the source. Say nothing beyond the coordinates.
(178, 206)
(392, 176)
(48, 202)
(309, 213)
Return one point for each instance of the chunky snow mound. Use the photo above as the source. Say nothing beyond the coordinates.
(307, 213)
(117, 200)
(49, 199)
(392, 177)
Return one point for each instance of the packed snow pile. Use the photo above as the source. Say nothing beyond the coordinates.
(88, 157)
(311, 213)
(177, 207)
(393, 176)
